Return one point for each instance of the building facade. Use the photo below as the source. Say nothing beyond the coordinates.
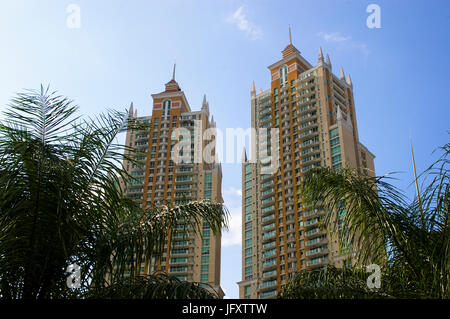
(158, 179)
(314, 113)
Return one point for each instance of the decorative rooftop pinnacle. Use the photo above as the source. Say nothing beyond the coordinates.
(320, 58)
(130, 111)
(349, 80)
(290, 37)
(289, 49)
(205, 105)
(342, 75)
(244, 155)
(172, 85)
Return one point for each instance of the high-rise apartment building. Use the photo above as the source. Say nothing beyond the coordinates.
(159, 179)
(314, 112)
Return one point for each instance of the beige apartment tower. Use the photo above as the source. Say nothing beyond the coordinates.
(314, 112)
(158, 180)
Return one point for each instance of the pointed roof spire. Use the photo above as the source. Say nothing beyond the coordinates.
(173, 73)
(290, 37)
(244, 155)
(349, 80)
(205, 105)
(130, 112)
(341, 74)
(328, 60)
(135, 113)
(290, 49)
(320, 58)
(172, 85)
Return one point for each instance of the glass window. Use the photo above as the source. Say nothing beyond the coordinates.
(283, 74)
(335, 150)
(205, 259)
(334, 133)
(336, 159)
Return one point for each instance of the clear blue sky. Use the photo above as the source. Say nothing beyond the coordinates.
(124, 52)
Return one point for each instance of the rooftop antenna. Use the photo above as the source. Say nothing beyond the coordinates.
(290, 37)
(174, 67)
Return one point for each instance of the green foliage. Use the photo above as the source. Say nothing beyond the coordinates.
(156, 286)
(327, 283)
(410, 241)
(60, 204)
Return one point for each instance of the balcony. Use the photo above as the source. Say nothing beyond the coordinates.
(184, 180)
(268, 294)
(312, 222)
(307, 116)
(184, 170)
(178, 270)
(268, 227)
(308, 134)
(269, 253)
(316, 252)
(270, 263)
(267, 284)
(316, 242)
(316, 262)
(268, 236)
(267, 210)
(268, 219)
(314, 233)
(270, 273)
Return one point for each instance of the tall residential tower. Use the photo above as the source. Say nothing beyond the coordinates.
(159, 179)
(314, 112)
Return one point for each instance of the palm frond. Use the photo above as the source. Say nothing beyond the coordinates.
(61, 202)
(155, 286)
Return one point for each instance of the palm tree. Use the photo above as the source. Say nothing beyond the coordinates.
(60, 204)
(408, 240)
